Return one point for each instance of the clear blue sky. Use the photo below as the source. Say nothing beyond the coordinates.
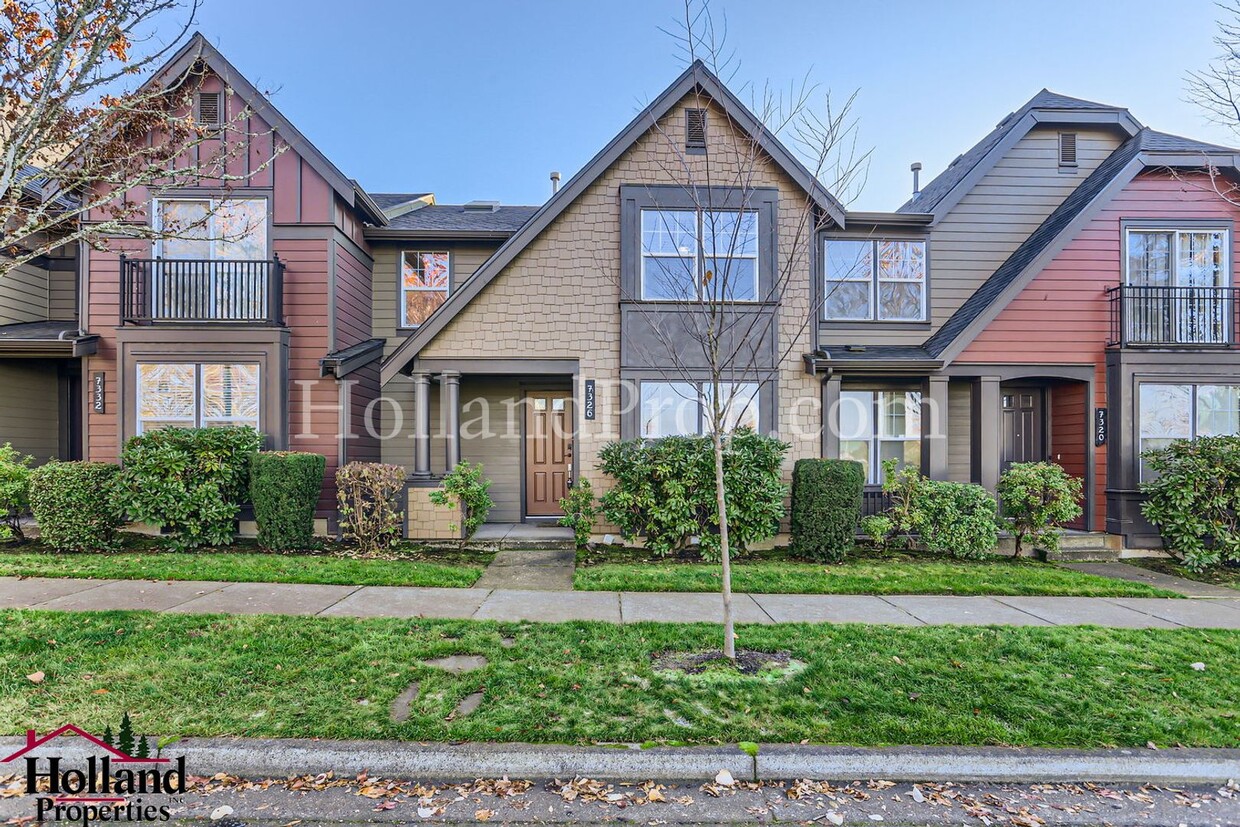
(473, 99)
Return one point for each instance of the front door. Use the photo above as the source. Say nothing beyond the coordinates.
(548, 451)
(1024, 429)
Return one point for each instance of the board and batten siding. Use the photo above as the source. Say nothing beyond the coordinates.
(30, 415)
(990, 222)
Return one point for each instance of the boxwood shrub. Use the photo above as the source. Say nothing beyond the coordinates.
(665, 490)
(75, 505)
(826, 507)
(284, 489)
(190, 481)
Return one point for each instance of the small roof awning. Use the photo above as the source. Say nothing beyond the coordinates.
(341, 363)
(54, 339)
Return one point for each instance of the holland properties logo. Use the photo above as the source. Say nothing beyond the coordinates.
(104, 786)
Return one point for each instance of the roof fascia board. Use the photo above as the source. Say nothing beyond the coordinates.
(1066, 235)
(696, 76)
(1158, 158)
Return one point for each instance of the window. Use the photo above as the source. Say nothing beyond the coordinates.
(879, 425)
(1067, 149)
(695, 129)
(1177, 258)
(212, 229)
(1171, 412)
(726, 258)
(425, 279)
(1174, 276)
(874, 280)
(197, 395)
(681, 408)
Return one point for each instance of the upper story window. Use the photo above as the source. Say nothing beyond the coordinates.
(1176, 289)
(874, 280)
(1177, 258)
(699, 255)
(212, 229)
(684, 408)
(425, 280)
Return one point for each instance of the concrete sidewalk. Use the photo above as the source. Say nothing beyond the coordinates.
(611, 607)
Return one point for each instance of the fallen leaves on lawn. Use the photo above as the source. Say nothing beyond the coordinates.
(37, 677)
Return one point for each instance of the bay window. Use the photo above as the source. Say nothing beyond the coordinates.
(874, 280)
(684, 408)
(1169, 412)
(425, 280)
(189, 395)
(699, 255)
(875, 426)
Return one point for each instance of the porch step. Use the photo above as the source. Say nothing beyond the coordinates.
(1082, 547)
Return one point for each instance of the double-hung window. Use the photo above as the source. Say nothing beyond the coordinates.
(425, 280)
(1176, 279)
(874, 280)
(699, 255)
(875, 426)
(187, 395)
(685, 408)
(1169, 412)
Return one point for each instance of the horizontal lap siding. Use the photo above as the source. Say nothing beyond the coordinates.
(959, 432)
(1069, 429)
(103, 308)
(497, 446)
(30, 413)
(24, 295)
(353, 296)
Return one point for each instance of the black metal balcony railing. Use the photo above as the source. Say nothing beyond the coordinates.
(155, 290)
(1173, 316)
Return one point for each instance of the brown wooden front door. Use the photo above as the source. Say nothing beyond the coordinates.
(1024, 426)
(548, 451)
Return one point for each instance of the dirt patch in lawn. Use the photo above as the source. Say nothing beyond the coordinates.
(748, 663)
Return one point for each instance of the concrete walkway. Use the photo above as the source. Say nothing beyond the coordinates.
(611, 607)
(536, 569)
(1136, 574)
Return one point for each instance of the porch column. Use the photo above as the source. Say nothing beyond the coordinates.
(934, 401)
(987, 431)
(421, 425)
(830, 417)
(450, 387)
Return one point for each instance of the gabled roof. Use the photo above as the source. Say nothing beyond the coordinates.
(457, 218)
(697, 76)
(950, 185)
(199, 48)
(1145, 149)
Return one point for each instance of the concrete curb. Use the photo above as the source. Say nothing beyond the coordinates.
(452, 762)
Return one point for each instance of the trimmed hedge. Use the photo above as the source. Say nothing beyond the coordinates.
(826, 507)
(75, 505)
(190, 481)
(284, 489)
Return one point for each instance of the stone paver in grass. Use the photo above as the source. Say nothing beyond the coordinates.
(1135, 574)
(155, 596)
(1086, 611)
(408, 601)
(531, 569)
(267, 598)
(458, 664)
(550, 607)
(23, 592)
(832, 608)
(402, 704)
(965, 611)
(1200, 614)
(664, 607)
(468, 704)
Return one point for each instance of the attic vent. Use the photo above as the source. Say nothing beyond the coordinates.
(210, 108)
(482, 206)
(1067, 149)
(695, 129)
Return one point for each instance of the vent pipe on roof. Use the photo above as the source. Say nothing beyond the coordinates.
(916, 170)
(555, 182)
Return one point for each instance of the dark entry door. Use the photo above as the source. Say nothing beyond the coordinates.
(1024, 426)
(548, 451)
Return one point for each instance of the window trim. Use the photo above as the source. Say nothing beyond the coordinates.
(700, 385)
(1175, 229)
(874, 281)
(402, 323)
(699, 256)
(198, 375)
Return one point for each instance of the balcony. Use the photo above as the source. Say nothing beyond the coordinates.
(1196, 317)
(190, 291)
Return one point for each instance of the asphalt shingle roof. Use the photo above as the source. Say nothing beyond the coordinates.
(387, 200)
(455, 218)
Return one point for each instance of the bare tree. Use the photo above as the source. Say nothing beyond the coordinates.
(1216, 90)
(711, 308)
(82, 132)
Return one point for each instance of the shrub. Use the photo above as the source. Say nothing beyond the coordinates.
(902, 487)
(75, 505)
(1037, 498)
(665, 490)
(1195, 499)
(879, 528)
(579, 511)
(285, 488)
(465, 485)
(826, 507)
(367, 498)
(14, 491)
(190, 481)
(956, 518)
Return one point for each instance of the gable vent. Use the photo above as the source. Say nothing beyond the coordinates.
(210, 108)
(1067, 149)
(695, 129)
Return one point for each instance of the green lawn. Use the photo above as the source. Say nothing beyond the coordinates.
(864, 573)
(268, 676)
(1228, 576)
(142, 560)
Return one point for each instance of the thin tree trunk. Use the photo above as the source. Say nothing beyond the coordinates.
(721, 502)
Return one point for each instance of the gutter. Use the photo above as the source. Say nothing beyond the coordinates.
(343, 362)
